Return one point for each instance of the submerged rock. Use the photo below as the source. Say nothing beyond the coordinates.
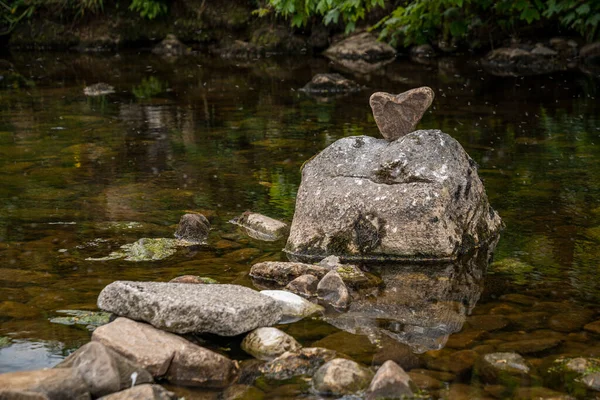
(293, 306)
(305, 362)
(193, 228)
(332, 291)
(398, 115)
(283, 273)
(417, 198)
(581, 375)
(167, 355)
(104, 371)
(509, 369)
(142, 392)
(98, 89)
(390, 382)
(268, 343)
(226, 310)
(330, 84)
(261, 227)
(55, 384)
(90, 319)
(340, 377)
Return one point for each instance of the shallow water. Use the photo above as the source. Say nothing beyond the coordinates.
(81, 176)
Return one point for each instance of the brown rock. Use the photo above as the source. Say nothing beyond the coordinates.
(458, 362)
(340, 376)
(166, 354)
(593, 327)
(487, 322)
(519, 299)
(463, 340)
(302, 362)
(398, 352)
(193, 279)
(439, 375)
(570, 321)
(103, 370)
(193, 228)
(21, 395)
(425, 382)
(304, 285)
(390, 382)
(332, 291)
(529, 346)
(142, 392)
(55, 384)
(539, 393)
(283, 273)
(398, 115)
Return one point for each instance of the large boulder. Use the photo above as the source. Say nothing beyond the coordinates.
(226, 310)
(416, 198)
(166, 355)
(523, 61)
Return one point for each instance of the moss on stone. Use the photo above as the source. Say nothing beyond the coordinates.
(5, 341)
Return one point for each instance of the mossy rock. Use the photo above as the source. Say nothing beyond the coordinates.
(576, 375)
(5, 341)
(90, 319)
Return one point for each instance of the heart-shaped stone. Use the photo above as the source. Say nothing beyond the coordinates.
(398, 115)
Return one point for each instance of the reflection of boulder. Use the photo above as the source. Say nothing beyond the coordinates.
(416, 198)
(421, 305)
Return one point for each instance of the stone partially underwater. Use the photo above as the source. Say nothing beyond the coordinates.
(413, 197)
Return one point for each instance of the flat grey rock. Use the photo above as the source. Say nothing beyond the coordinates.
(225, 310)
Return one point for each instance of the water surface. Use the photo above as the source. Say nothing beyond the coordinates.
(81, 176)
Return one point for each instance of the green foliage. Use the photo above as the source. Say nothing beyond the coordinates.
(422, 21)
(332, 11)
(149, 8)
(583, 17)
(14, 11)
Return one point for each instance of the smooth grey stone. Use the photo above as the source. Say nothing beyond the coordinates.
(226, 310)
(268, 343)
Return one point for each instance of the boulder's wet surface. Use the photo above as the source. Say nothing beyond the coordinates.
(81, 176)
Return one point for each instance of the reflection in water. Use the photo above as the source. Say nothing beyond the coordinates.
(420, 305)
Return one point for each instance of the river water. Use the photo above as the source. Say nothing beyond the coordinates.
(80, 176)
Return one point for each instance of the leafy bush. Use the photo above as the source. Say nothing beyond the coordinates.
(421, 21)
(300, 11)
(149, 8)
